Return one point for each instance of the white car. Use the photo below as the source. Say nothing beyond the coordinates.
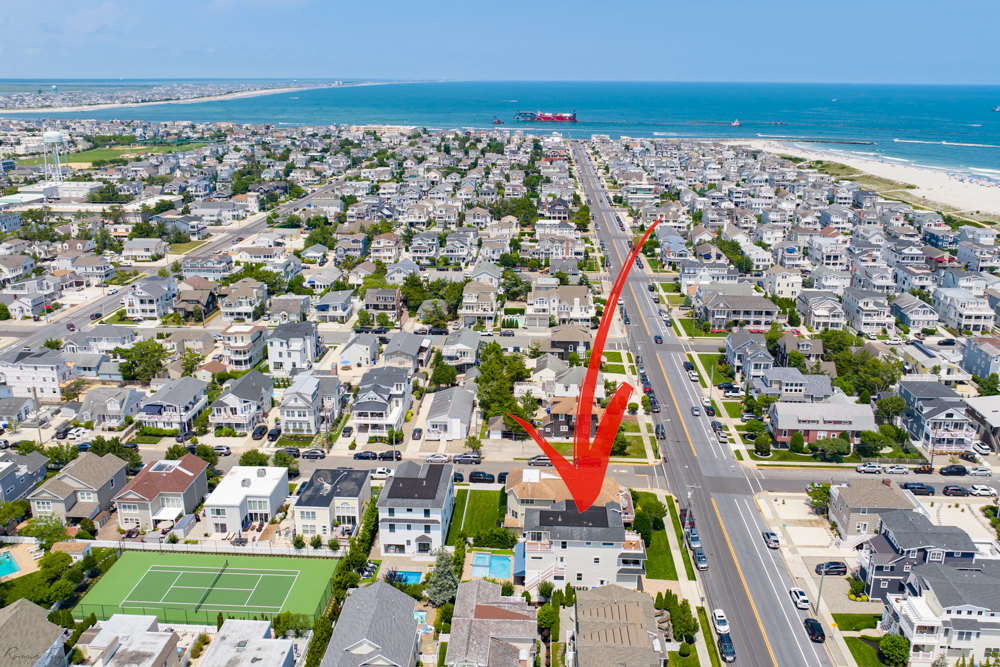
(980, 471)
(77, 434)
(381, 473)
(869, 468)
(113, 290)
(799, 598)
(693, 376)
(895, 340)
(720, 621)
(981, 449)
(982, 490)
(706, 401)
(896, 470)
(438, 458)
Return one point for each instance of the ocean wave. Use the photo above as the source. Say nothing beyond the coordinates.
(988, 171)
(945, 143)
(665, 134)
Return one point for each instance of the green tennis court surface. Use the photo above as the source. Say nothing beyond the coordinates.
(181, 587)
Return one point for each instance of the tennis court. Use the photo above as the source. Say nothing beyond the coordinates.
(197, 587)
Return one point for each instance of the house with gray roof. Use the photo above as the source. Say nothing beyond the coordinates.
(415, 509)
(489, 629)
(83, 489)
(429, 306)
(407, 350)
(747, 353)
(461, 349)
(840, 414)
(617, 626)
(332, 502)
(245, 643)
(175, 405)
(790, 385)
(376, 627)
(315, 252)
(450, 414)
(324, 278)
(144, 250)
(398, 272)
(360, 350)
(150, 298)
(243, 402)
(290, 308)
(383, 399)
(487, 272)
(293, 345)
(28, 638)
(20, 473)
(335, 306)
(857, 508)
(108, 407)
(102, 339)
(310, 402)
(594, 548)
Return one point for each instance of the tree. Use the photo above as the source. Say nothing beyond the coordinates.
(53, 343)
(283, 460)
(798, 443)
(830, 448)
(382, 319)
(762, 445)
(819, 496)
(895, 649)
(548, 617)
(871, 443)
(164, 272)
(684, 622)
(755, 427)
(545, 590)
(61, 455)
(444, 375)
(889, 409)
(298, 542)
(15, 510)
(100, 446)
(865, 398)
(643, 524)
(442, 583)
(316, 542)
(207, 454)
(254, 457)
(190, 361)
(474, 443)
(4, 312)
(364, 318)
(990, 386)
(142, 361)
(47, 529)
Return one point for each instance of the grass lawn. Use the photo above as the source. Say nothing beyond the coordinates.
(675, 299)
(185, 248)
(733, 409)
(147, 439)
(659, 560)
(482, 510)
(706, 632)
(857, 622)
(711, 364)
(111, 153)
(117, 317)
(783, 455)
(674, 519)
(864, 653)
(688, 325)
(632, 427)
(613, 357)
(616, 368)
(461, 496)
(677, 661)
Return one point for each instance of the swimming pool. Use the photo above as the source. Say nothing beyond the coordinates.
(490, 565)
(8, 565)
(409, 578)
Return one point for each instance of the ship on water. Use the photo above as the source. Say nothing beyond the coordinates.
(545, 117)
(735, 123)
(497, 121)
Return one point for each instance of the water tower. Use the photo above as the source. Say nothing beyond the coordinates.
(52, 159)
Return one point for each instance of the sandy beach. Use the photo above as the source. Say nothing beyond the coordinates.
(959, 191)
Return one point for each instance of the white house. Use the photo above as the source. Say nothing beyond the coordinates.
(247, 494)
(331, 499)
(450, 414)
(415, 508)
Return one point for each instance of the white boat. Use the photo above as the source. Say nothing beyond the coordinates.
(735, 123)
(998, 108)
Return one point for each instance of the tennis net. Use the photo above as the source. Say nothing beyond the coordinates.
(211, 586)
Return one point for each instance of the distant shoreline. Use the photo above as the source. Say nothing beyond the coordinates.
(196, 100)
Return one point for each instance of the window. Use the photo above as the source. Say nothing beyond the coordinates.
(579, 576)
(913, 553)
(863, 511)
(427, 515)
(936, 556)
(427, 528)
(392, 512)
(307, 515)
(597, 561)
(885, 584)
(85, 496)
(309, 529)
(129, 507)
(392, 528)
(217, 511)
(965, 635)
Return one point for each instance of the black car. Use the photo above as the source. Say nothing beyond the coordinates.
(440, 331)
(657, 339)
(361, 330)
(379, 330)
(947, 342)
(954, 471)
(365, 456)
(482, 477)
(833, 569)
(458, 477)
(709, 411)
(502, 478)
(661, 433)
(134, 446)
(918, 488)
(968, 456)
(814, 630)
(717, 426)
(184, 436)
(654, 405)
(726, 649)
(348, 430)
(292, 451)
(418, 433)
(688, 366)
(259, 432)
(63, 433)
(390, 455)
(96, 316)
(650, 287)
(274, 434)
(955, 490)
(725, 385)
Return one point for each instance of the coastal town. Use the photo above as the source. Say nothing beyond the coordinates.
(262, 390)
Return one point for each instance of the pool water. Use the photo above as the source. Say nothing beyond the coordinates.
(8, 565)
(409, 578)
(490, 565)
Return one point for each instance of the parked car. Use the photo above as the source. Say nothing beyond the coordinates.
(947, 342)
(259, 432)
(896, 470)
(417, 433)
(954, 471)
(982, 490)
(62, 433)
(661, 433)
(184, 436)
(222, 450)
(274, 434)
(918, 488)
(540, 460)
(438, 458)
(693, 538)
(700, 560)
(365, 456)
(314, 454)
(771, 539)
(955, 490)
(390, 455)
(696, 411)
(869, 468)
(113, 290)
(654, 405)
(347, 432)
(469, 458)
(981, 471)
(502, 478)
(134, 446)
(457, 477)
(982, 449)
(833, 568)
(709, 411)
(747, 416)
(381, 473)
(720, 621)
(799, 598)
(83, 446)
(726, 649)
(815, 630)
(481, 477)
(924, 470)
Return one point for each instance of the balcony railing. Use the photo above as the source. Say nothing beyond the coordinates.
(538, 546)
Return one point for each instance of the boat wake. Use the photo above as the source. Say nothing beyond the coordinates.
(944, 143)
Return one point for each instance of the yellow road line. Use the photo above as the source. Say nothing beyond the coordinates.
(743, 579)
(638, 308)
(676, 407)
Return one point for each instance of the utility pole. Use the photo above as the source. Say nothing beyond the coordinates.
(38, 415)
(822, 578)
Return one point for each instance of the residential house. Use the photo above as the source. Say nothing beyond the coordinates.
(407, 350)
(940, 426)
(332, 500)
(962, 310)
(150, 298)
(791, 386)
(616, 626)
(415, 509)
(126, 640)
(783, 283)
(243, 403)
(245, 495)
(981, 356)
(293, 345)
(386, 301)
(913, 313)
(489, 629)
(382, 402)
(360, 350)
(541, 489)
(315, 252)
(175, 405)
(211, 267)
(335, 306)
(109, 407)
(28, 638)
(450, 414)
(162, 491)
(721, 310)
(15, 267)
(839, 415)
(747, 354)
(289, 308)
(312, 400)
(811, 349)
(387, 247)
(560, 420)
(858, 508)
(40, 374)
(378, 626)
(144, 250)
(820, 310)
(479, 304)
(487, 273)
(102, 339)
(19, 474)
(461, 349)
(397, 273)
(565, 304)
(867, 311)
(585, 549)
(196, 304)
(83, 489)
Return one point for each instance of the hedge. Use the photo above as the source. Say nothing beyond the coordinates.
(162, 432)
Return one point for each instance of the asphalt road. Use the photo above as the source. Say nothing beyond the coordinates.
(745, 578)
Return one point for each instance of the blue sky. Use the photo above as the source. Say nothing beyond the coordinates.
(870, 41)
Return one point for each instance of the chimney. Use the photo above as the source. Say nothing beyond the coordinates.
(887, 482)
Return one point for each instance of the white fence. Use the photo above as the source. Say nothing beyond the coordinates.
(221, 547)
(17, 539)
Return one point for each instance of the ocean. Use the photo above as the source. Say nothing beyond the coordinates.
(946, 127)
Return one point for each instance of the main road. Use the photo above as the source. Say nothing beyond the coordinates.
(745, 578)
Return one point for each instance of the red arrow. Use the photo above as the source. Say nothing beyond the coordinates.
(585, 476)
